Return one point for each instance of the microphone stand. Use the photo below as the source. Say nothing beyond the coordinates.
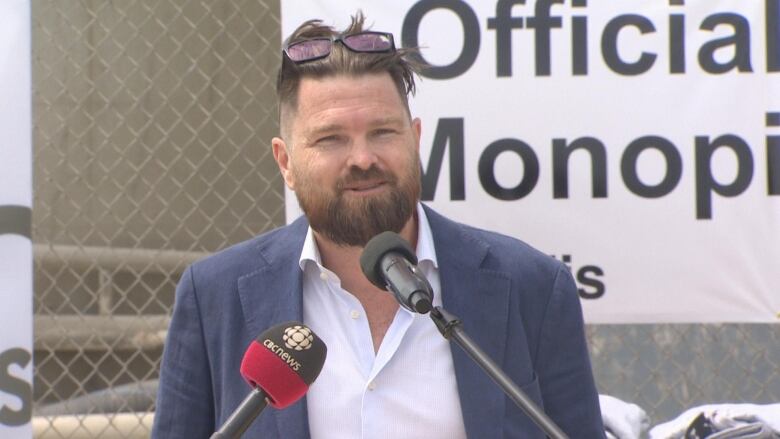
(244, 415)
(452, 329)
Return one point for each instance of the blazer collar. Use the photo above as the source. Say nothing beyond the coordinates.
(480, 298)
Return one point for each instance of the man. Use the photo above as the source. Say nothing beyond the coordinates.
(350, 150)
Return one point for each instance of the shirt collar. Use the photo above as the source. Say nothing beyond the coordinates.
(425, 249)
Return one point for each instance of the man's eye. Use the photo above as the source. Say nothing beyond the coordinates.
(385, 132)
(329, 140)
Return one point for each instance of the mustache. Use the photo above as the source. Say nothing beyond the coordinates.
(357, 175)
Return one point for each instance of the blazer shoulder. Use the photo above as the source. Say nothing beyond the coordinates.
(253, 254)
(497, 251)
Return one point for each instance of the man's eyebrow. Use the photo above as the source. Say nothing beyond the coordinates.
(321, 129)
(331, 127)
(389, 120)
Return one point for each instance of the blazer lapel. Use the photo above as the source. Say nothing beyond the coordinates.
(273, 294)
(480, 298)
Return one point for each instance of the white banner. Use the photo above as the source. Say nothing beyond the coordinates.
(15, 202)
(638, 141)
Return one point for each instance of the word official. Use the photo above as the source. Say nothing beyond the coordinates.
(540, 26)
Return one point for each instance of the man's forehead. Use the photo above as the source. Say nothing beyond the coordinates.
(324, 96)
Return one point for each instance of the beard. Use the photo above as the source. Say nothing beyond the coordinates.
(353, 221)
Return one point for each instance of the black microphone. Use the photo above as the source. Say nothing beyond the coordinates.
(390, 263)
(279, 364)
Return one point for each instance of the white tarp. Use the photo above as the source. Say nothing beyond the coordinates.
(15, 202)
(638, 141)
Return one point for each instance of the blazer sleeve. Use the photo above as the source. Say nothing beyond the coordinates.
(185, 399)
(563, 365)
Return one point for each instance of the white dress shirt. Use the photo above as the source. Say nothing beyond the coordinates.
(407, 389)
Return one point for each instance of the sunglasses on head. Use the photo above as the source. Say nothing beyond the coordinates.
(318, 48)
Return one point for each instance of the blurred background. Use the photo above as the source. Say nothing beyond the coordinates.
(152, 127)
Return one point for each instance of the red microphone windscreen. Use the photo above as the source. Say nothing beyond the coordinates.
(283, 361)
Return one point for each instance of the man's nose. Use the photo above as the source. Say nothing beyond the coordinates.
(362, 155)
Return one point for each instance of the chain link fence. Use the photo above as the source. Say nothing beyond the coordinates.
(153, 121)
(152, 135)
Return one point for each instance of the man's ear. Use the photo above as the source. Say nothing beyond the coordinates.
(282, 157)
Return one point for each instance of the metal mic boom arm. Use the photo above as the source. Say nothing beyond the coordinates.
(451, 328)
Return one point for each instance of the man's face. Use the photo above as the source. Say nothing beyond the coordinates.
(351, 154)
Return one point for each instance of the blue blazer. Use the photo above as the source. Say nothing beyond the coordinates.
(521, 306)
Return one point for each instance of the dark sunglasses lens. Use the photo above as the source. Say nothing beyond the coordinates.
(309, 49)
(368, 42)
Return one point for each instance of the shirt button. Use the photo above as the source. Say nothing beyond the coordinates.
(354, 314)
(371, 385)
(323, 275)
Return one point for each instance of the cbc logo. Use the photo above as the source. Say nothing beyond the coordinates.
(298, 338)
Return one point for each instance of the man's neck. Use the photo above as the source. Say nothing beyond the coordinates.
(379, 305)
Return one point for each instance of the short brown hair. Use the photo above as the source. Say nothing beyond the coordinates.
(342, 61)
